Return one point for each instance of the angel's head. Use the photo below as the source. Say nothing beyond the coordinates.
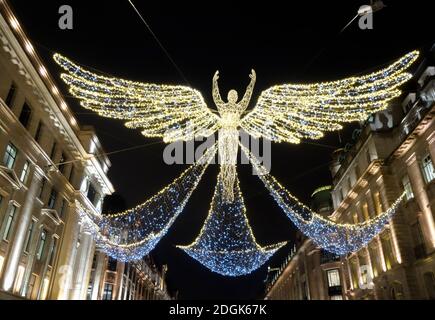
(232, 96)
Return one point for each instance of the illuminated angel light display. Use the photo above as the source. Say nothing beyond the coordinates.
(226, 243)
(283, 113)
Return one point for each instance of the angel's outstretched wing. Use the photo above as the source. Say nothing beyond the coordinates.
(168, 111)
(291, 112)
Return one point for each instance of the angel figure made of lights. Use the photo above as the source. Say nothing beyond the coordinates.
(283, 113)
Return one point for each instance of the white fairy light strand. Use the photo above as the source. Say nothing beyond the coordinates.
(172, 112)
(337, 238)
(289, 112)
(132, 234)
(226, 243)
(292, 112)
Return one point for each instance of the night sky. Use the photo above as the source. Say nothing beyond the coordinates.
(283, 41)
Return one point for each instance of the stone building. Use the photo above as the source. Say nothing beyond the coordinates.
(393, 152)
(116, 280)
(47, 164)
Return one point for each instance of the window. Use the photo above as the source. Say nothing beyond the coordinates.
(25, 115)
(10, 156)
(25, 173)
(333, 278)
(364, 271)
(52, 199)
(41, 245)
(29, 236)
(11, 95)
(9, 222)
(111, 264)
(427, 167)
(108, 290)
(92, 193)
(38, 133)
(84, 187)
(52, 252)
(407, 187)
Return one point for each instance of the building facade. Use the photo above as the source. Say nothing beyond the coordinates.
(115, 280)
(47, 164)
(392, 153)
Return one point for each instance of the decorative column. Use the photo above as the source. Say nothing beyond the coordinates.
(419, 189)
(307, 288)
(120, 280)
(127, 283)
(16, 244)
(98, 272)
(358, 270)
(82, 266)
(370, 266)
(44, 271)
(380, 251)
(344, 280)
(67, 256)
(30, 259)
(387, 198)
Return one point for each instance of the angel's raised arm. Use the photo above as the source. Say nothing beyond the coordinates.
(248, 94)
(215, 89)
